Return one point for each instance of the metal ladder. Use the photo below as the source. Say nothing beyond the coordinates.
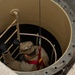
(15, 13)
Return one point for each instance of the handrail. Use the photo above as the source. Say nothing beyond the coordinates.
(53, 46)
(16, 13)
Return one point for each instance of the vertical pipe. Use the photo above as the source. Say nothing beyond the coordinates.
(16, 13)
(17, 26)
(39, 23)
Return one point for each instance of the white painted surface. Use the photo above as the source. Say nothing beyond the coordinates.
(72, 71)
(4, 70)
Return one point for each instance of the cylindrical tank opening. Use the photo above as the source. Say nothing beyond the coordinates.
(54, 20)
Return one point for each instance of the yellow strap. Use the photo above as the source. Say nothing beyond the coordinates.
(40, 60)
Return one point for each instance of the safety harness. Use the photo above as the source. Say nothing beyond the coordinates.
(39, 62)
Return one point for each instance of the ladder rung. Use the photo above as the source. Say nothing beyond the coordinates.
(8, 28)
(10, 36)
(16, 56)
(14, 50)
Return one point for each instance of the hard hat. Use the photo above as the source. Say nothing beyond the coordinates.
(26, 47)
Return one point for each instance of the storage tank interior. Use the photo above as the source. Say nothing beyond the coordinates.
(52, 19)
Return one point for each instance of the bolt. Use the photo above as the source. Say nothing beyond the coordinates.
(73, 45)
(73, 20)
(63, 61)
(55, 67)
(69, 54)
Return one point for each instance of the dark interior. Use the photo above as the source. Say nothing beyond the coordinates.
(29, 28)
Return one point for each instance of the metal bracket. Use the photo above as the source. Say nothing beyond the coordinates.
(14, 11)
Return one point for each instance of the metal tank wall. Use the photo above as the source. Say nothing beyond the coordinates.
(53, 17)
(71, 4)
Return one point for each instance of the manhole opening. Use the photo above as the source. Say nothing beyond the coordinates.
(32, 29)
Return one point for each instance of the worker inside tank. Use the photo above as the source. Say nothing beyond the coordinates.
(32, 58)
